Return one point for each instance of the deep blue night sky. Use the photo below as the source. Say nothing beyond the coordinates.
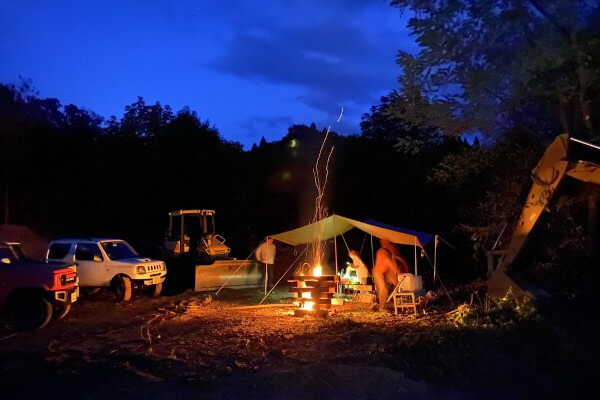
(253, 68)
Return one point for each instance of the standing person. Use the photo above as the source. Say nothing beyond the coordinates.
(399, 261)
(265, 253)
(362, 272)
(388, 264)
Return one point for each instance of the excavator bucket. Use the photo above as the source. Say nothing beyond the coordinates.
(499, 284)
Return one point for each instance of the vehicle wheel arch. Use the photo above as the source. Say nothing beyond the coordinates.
(115, 279)
(122, 285)
(27, 289)
(14, 308)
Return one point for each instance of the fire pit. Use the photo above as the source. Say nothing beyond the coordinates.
(313, 293)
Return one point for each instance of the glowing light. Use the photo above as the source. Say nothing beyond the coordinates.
(293, 143)
(350, 275)
(308, 305)
(318, 270)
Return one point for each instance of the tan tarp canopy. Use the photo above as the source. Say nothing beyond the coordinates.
(335, 225)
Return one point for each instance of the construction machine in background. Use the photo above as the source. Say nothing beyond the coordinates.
(550, 171)
(198, 257)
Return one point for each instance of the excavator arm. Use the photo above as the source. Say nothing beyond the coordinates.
(547, 176)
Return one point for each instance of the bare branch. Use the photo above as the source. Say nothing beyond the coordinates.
(562, 29)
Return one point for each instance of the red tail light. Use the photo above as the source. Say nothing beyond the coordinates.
(65, 278)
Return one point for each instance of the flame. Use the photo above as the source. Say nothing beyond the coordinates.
(318, 270)
(307, 305)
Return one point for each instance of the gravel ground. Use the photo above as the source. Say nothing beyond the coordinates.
(193, 346)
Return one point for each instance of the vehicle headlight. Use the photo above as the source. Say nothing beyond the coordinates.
(141, 269)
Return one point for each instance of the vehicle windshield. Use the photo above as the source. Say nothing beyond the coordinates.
(18, 250)
(118, 250)
(7, 256)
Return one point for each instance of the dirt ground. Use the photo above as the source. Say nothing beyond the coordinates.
(193, 346)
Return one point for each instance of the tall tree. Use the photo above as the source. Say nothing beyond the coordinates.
(384, 124)
(145, 120)
(491, 65)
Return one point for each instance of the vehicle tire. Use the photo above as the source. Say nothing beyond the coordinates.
(123, 288)
(154, 290)
(29, 311)
(61, 312)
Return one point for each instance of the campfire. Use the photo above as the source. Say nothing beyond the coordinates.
(313, 292)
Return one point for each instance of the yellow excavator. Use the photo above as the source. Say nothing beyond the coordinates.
(550, 171)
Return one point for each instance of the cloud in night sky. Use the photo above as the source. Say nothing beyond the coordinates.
(318, 59)
(252, 68)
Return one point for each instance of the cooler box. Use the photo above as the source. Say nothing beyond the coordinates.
(410, 282)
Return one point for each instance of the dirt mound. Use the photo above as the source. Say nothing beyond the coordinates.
(33, 244)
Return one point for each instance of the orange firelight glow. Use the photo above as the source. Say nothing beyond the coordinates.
(318, 271)
(307, 305)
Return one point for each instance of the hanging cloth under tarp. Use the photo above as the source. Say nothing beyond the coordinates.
(335, 225)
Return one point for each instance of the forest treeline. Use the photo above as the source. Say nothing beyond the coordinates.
(65, 170)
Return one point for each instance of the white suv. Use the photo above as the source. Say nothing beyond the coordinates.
(109, 263)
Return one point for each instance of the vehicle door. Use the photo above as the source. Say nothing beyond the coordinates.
(91, 266)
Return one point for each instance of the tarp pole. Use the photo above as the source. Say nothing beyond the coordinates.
(435, 242)
(372, 254)
(335, 246)
(335, 250)
(338, 288)
(439, 279)
(416, 269)
(182, 237)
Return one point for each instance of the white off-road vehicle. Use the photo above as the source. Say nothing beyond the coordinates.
(111, 263)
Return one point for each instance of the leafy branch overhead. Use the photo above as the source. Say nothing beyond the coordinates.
(491, 65)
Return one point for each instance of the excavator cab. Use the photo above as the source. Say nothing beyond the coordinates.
(192, 234)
